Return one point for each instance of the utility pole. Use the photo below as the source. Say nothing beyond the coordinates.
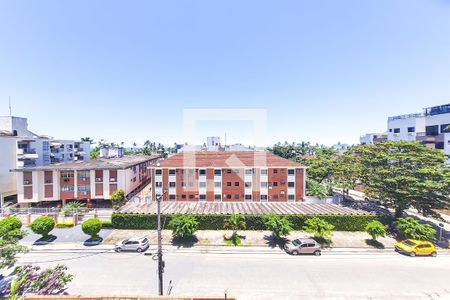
(160, 258)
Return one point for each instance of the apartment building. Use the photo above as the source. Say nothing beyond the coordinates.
(431, 127)
(229, 177)
(83, 180)
(22, 148)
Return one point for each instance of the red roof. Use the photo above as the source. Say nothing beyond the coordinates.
(227, 159)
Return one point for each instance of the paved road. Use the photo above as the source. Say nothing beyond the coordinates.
(259, 276)
(63, 235)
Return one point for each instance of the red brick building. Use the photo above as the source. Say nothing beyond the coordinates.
(229, 176)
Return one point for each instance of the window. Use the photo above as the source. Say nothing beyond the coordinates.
(390, 129)
(291, 197)
(158, 183)
(218, 184)
(291, 172)
(248, 172)
(396, 130)
(263, 171)
(202, 184)
(282, 183)
(236, 183)
(248, 197)
(66, 174)
(275, 183)
(263, 197)
(172, 184)
(202, 197)
(291, 184)
(432, 130)
(275, 171)
(229, 183)
(236, 196)
(191, 196)
(228, 171)
(217, 197)
(228, 196)
(172, 197)
(172, 172)
(248, 184)
(264, 184)
(158, 172)
(183, 196)
(217, 172)
(282, 171)
(411, 129)
(445, 128)
(202, 172)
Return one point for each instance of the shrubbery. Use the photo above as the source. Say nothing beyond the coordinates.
(319, 228)
(279, 225)
(376, 229)
(253, 222)
(10, 223)
(92, 227)
(411, 228)
(183, 226)
(43, 225)
(64, 224)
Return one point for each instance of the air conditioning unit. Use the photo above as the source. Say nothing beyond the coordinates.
(83, 193)
(98, 179)
(26, 182)
(83, 179)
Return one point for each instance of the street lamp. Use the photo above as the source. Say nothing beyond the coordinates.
(441, 227)
(161, 263)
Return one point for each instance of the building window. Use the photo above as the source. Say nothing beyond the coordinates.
(172, 197)
(202, 197)
(291, 184)
(248, 197)
(228, 171)
(432, 130)
(84, 188)
(191, 196)
(390, 129)
(228, 196)
(248, 172)
(263, 171)
(202, 184)
(445, 128)
(67, 188)
(263, 197)
(202, 172)
(291, 172)
(217, 197)
(236, 196)
(396, 130)
(183, 196)
(66, 174)
(158, 183)
(264, 184)
(217, 172)
(275, 183)
(291, 197)
(236, 183)
(172, 184)
(172, 172)
(218, 184)
(158, 172)
(411, 129)
(228, 183)
(183, 184)
(248, 184)
(275, 171)
(236, 171)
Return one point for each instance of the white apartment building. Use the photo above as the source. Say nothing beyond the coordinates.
(431, 127)
(21, 148)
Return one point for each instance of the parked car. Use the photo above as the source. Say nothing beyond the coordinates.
(302, 246)
(139, 244)
(415, 247)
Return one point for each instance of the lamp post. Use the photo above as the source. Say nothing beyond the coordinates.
(161, 263)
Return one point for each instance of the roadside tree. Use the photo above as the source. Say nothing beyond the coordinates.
(413, 229)
(376, 229)
(43, 225)
(280, 226)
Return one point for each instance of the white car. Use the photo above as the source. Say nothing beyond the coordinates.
(139, 244)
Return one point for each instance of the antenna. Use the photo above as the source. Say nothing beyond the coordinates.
(10, 114)
(225, 139)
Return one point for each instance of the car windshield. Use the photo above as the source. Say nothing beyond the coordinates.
(296, 242)
(144, 240)
(409, 243)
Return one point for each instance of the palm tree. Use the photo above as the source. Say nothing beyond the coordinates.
(235, 223)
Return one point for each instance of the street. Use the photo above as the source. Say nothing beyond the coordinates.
(257, 275)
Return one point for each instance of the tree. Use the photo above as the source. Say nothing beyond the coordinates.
(92, 227)
(235, 222)
(376, 229)
(95, 153)
(322, 165)
(10, 232)
(319, 228)
(87, 139)
(412, 228)
(315, 189)
(43, 225)
(183, 226)
(117, 197)
(280, 226)
(347, 171)
(403, 174)
(31, 280)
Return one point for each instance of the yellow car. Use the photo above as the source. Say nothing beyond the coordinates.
(415, 247)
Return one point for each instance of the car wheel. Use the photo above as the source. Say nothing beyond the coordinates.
(412, 254)
(433, 254)
(295, 252)
(139, 250)
(317, 253)
(118, 250)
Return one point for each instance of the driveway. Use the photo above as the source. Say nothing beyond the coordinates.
(63, 235)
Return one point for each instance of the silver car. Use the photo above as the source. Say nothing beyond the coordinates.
(302, 246)
(133, 244)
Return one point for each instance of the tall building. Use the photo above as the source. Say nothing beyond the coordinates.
(431, 127)
(229, 176)
(83, 180)
(22, 148)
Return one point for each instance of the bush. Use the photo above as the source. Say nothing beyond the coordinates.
(279, 225)
(253, 222)
(92, 227)
(376, 229)
(235, 223)
(9, 224)
(319, 228)
(64, 224)
(413, 229)
(183, 226)
(117, 197)
(43, 225)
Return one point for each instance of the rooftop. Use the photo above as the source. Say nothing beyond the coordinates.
(96, 164)
(228, 159)
(247, 208)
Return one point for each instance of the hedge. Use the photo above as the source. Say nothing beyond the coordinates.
(355, 222)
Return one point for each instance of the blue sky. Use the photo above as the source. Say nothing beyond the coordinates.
(324, 71)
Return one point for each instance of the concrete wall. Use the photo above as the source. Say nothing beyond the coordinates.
(8, 146)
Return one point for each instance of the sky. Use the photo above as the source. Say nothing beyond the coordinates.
(128, 71)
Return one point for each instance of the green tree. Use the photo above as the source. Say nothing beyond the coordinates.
(10, 232)
(235, 222)
(95, 153)
(413, 229)
(87, 139)
(280, 226)
(347, 171)
(403, 174)
(92, 227)
(319, 228)
(117, 197)
(376, 229)
(43, 225)
(315, 189)
(322, 165)
(183, 226)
